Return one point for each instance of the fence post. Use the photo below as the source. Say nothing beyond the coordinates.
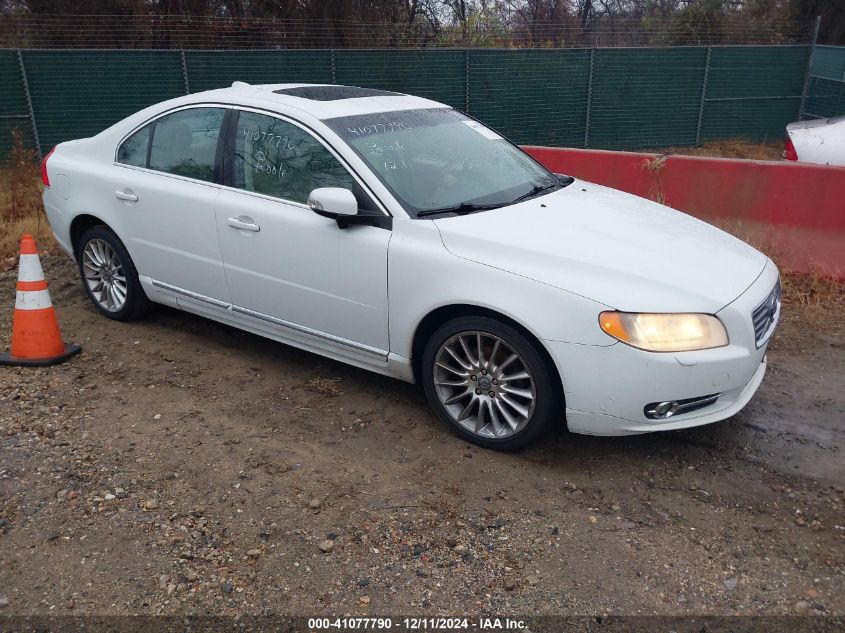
(334, 70)
(589, 100)
(31, 111)
(701, 105)
(466, 80)
(806, 89)
(185, 72)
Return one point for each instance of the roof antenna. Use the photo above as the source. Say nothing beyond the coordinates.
(240, 84)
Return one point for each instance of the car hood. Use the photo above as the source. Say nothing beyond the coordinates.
(615, 248)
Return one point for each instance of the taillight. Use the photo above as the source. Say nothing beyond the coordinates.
(789, 152)
(44, 177)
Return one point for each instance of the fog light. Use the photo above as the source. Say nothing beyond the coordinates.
(660, 410)
(668, 408)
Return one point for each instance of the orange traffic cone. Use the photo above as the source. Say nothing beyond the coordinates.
(36, 339)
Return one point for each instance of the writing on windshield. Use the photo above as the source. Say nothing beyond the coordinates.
(440, 161)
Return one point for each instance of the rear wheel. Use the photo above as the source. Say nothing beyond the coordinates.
(109, 276)
(488, 382)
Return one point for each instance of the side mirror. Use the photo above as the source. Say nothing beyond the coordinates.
(340, 205)
(333, 202)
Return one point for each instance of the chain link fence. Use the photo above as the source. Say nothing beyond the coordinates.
(609, 98)
(827, 82)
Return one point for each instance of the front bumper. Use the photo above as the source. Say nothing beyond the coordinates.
(607, 388)
(727, 405)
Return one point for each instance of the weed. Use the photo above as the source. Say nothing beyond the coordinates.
(655, 166)
(21, 209)
(325, 386)
(817, 299)
(21, 198)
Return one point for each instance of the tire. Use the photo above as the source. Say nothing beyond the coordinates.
(488, 383)
(100, 248)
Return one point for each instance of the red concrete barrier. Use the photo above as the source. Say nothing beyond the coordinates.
(795, 211)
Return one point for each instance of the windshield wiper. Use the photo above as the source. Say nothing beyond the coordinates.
(535, 191)
(461, 209)
(468, 207)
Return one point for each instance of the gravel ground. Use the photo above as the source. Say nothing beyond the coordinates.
(181, 466)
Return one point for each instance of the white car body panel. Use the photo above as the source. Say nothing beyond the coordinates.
(611, 247)
(300, 268)
(160, 243)
(819, 141)
(550, 264)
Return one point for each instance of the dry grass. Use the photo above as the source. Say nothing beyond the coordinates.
(818, 300)
(21, 210)
(732, 148)
(10, 237)
(655, 166)
(325, 386)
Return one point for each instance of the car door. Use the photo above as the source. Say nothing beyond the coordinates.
(164, 191)
(287, 266)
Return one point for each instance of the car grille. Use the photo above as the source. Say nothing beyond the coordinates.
(765, 316)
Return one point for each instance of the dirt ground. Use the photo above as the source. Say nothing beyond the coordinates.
(182, 466)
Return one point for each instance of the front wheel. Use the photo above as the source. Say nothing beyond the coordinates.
(488, 382)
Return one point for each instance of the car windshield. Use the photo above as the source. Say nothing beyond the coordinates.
(439, 161)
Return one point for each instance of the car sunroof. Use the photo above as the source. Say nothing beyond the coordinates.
(333, 93)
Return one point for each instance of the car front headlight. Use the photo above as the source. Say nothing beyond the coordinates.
(657, 332)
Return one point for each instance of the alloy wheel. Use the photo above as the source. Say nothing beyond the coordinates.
(484, 384)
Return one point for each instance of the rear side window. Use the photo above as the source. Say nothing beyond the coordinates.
(278, 159)
(133, 151)
(185, 142)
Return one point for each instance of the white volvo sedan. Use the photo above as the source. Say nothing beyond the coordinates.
(402, 236)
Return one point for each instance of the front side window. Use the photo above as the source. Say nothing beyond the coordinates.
(185, 142)
(439, 159)
(278, 159)
(133, 151)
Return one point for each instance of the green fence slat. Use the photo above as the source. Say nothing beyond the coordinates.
(752, 120)
(432, 74)
(757, 71)
(13, 111)
(826, 94)
(638, 97)
(646, 98)
(826, 98)
(218, 69)
(829, 62)
(754, 91)
(76, 94)
(532, 96)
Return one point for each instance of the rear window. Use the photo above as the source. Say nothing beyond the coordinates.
(133, 151)
(185, 142)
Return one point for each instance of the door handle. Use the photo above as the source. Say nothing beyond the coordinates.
(244, 224)
(126, 195)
